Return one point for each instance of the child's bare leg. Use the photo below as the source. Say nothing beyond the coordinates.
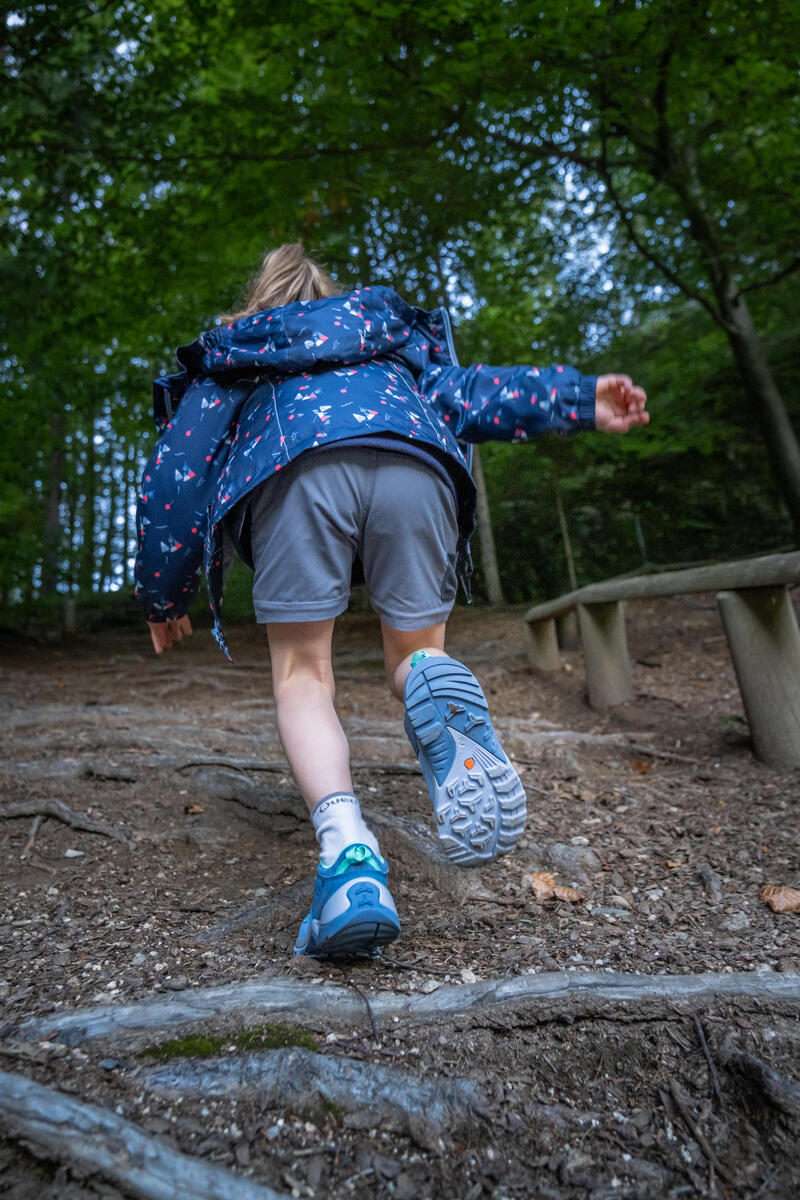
(311, 735)
(398, 647)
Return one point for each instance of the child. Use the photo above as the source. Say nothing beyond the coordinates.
(319, 430)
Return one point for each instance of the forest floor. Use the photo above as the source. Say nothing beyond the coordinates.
(656, 812)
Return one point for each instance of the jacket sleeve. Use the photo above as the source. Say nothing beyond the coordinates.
(179, 484)
(482, 403)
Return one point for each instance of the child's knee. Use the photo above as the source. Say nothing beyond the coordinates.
(298, 672)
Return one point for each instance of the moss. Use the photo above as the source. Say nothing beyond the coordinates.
(273, 1036)
(196, 1045)
(269, 1036)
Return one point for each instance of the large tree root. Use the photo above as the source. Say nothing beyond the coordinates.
(54, 808)
(764, 1080)
(71, 1130)
(431, 1111)
(569, 994)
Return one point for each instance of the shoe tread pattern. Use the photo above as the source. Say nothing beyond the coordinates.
(480, 812)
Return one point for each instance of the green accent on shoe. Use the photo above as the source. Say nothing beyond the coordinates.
(418, 656)
(358, 855)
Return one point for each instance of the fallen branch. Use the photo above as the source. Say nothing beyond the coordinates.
(667, 754)
(96, 1138)
(54, 808)
(34, 829)
(683, 1108)
(712, 1070)
(558, 992)
(368, 1006)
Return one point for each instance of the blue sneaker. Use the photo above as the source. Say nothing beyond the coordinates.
(352, 913)
(477, 797)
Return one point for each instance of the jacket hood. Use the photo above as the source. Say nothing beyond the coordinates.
(373, 322)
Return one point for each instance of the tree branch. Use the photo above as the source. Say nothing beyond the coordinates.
(761, 283)
(652, 258)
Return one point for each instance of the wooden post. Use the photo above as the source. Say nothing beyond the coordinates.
(568, 634)
(542, 644)
(764, 642)
(605, 645)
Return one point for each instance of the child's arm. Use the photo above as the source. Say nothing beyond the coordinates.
(482, 403)
(178, 485)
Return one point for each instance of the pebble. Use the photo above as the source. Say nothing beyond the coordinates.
(735, 923)
(620, 914)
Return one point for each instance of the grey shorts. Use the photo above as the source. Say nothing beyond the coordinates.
(310, 522)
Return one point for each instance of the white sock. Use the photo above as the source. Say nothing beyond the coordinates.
(338, 823)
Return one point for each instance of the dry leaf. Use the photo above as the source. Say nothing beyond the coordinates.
(541, 884)
(193, 809)
(641, 766)
(781, 899)
(567, 893)
(671, 863)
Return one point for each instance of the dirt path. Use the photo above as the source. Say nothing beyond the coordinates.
(656, 812)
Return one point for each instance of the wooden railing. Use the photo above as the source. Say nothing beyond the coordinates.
(759, 623)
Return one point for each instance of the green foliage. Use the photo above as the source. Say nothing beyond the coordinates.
(566, 175)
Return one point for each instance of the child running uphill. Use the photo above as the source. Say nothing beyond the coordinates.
(318, 431)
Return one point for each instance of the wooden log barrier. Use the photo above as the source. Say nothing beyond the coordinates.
(758, 619)
(764, 641)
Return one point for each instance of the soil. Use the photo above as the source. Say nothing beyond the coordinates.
(656, 811)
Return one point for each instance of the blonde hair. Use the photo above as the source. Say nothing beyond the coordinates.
(285, 275)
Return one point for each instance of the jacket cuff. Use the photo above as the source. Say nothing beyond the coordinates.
(586, 402)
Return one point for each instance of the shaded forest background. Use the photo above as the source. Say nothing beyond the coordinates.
(611, 183)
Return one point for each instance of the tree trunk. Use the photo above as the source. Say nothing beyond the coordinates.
(87, 555)
(562, 521)
(781, 440)
(51, 560)
(485, 535)
(107, 559)
(131, 484)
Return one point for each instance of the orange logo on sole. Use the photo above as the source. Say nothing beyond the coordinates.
(469, 763)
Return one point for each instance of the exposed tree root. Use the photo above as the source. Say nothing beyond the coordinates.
(66, 1129)
(780, 1092)
(290, 900)
(565, 994)
(54, 808)
(401, 838)
(282, 767)
(431, 1111)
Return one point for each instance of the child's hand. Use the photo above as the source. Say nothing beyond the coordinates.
(619, 405)
(166, 633)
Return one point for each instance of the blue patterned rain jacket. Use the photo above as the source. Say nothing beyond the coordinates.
(254, 395)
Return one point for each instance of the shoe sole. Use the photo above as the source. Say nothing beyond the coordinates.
(478, 799)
